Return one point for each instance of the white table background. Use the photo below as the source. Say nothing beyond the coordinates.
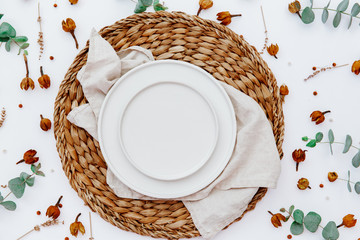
(301, 47)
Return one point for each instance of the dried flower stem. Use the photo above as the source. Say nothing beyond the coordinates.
(45, 224)
(323, 70)
(41, 35)
(266, 32)
(91, 236)
(2, 116)
(26, 64)
(76, 42)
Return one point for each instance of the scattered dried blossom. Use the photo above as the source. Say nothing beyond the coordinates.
(69, 26)
(318, 116)
(45, 123)
(29, 157)
(355, 68)
(53, 211)
(41, 34)
(225, 17)
(27, 82)
(295, 7)
(303, 184)
(298, 156)
(204, 4)
(276, 219)
(348, 221)
(273, 50)
(77, 227)
(332, 176)
(2, 116)
(44, 80)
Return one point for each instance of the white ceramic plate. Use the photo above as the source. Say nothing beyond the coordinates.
(167, 129)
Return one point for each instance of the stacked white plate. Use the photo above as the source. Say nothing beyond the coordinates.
(167, 129)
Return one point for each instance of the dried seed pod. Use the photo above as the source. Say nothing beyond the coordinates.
(45, 123)
(318, 116)
(29, 157)
(54, 211)
(298, 156)
(204, 4)
(27, 82)
(273, 50)
(276, 219)
(225, 17)
(44, 80)
(69, 26)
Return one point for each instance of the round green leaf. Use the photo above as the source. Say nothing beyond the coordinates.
(348, 143)
(20, 39)
(9, 205)
(343, 5)
(312, 221)
(355, 10)
(17, 186)
(307, 15)
(356, 160)
(357, 187)
(325, 15)
(298, 216)
(311, 144)
(319, 136)
(330, 231)
(296, 228)
(6, 30)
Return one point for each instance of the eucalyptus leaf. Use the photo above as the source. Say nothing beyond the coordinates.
(337, 19)
(17, 186)
(9, 205)
(356, 160)
(40, 173)
(291, 209)
(312, 221)
(343, 5)
(1, 15)
(158, 6)
(357, 187)
(350, 21)
(20, 39)
(6, 30)
(296, 228)
(312, 3)
(311, 144)
(1, 198)
(327, 6)
(305, 138)
(146, 3)
(307, 15)
(8, 45)
(25, 45)
(325, 15)
(30, 181)
(348, 182)
(331, 139)
(355, 10)
(140, 7)
(330, 231)
(348, 142)
(26, 52)
(4, 39)
(298, 216)
(319, 136)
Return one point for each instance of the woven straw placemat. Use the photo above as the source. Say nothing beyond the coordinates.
(207, 44)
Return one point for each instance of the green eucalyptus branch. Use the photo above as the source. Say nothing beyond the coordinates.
(8, 36)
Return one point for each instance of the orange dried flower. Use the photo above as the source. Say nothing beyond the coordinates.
(77, 227)
(204, 4)
(303, 184)
(348, 221)
(54, 211)
(295, 7)
(45, 123)
(284, 90)
(332, 176)
(225, 17)
(273, 50)
(298, 156)
(355, 68)
(44, 80)
(69, 26)
(27, 82)
(73, 1)
(318, 116)
(276, 219)
(29, 157)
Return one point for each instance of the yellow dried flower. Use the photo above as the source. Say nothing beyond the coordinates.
(303, 184)
(273, 50)
(204, 4)
(355, 68)
(69, 26)
(77, 227)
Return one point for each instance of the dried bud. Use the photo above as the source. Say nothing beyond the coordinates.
(298, 156)
(318, 117)
(284, 90)
(54, 211)
(204, 4)
(45, 123)
(348, 221)
(73, 1)
(77, 227)
(44, 80)
(27, 83)
(332, 176)
(29, 157)
(356, 67)
(295, 7)
(273, 50)
(276, 219)
(303, 184)
(69, 26)
(225, 17)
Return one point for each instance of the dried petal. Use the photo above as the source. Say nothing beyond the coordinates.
(332, 176)
(355, 68)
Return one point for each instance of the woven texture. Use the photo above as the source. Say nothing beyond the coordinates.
(207, 44)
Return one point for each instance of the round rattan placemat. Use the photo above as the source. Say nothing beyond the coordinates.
(207, 44)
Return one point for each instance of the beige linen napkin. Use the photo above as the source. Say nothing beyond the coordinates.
(254, 163)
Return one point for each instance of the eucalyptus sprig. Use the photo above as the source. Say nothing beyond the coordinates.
(308, 16)
(333, 176)
(8, 36)
(17, 186)
(142, 5)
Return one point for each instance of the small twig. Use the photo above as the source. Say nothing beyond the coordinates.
(91, 236)
(323, 70)
(41, 35)
(266, 32)
(45, 224)
(2, 116)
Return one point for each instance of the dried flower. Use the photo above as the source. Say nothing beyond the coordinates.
(273, 50)
(29, 157)
(44, 80)
(225, 17)
(73, 1)
(332, 176)
(355, 68)
(69, 26)
(318, 117)
(298, 156)
(204, 4)
(295, 7)
(276, 219)
(45, 123)
(27, 82)
(303, 184)
(77, 227)
(2, 116)
(348, 221)
(54, 211)
(284, 90)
